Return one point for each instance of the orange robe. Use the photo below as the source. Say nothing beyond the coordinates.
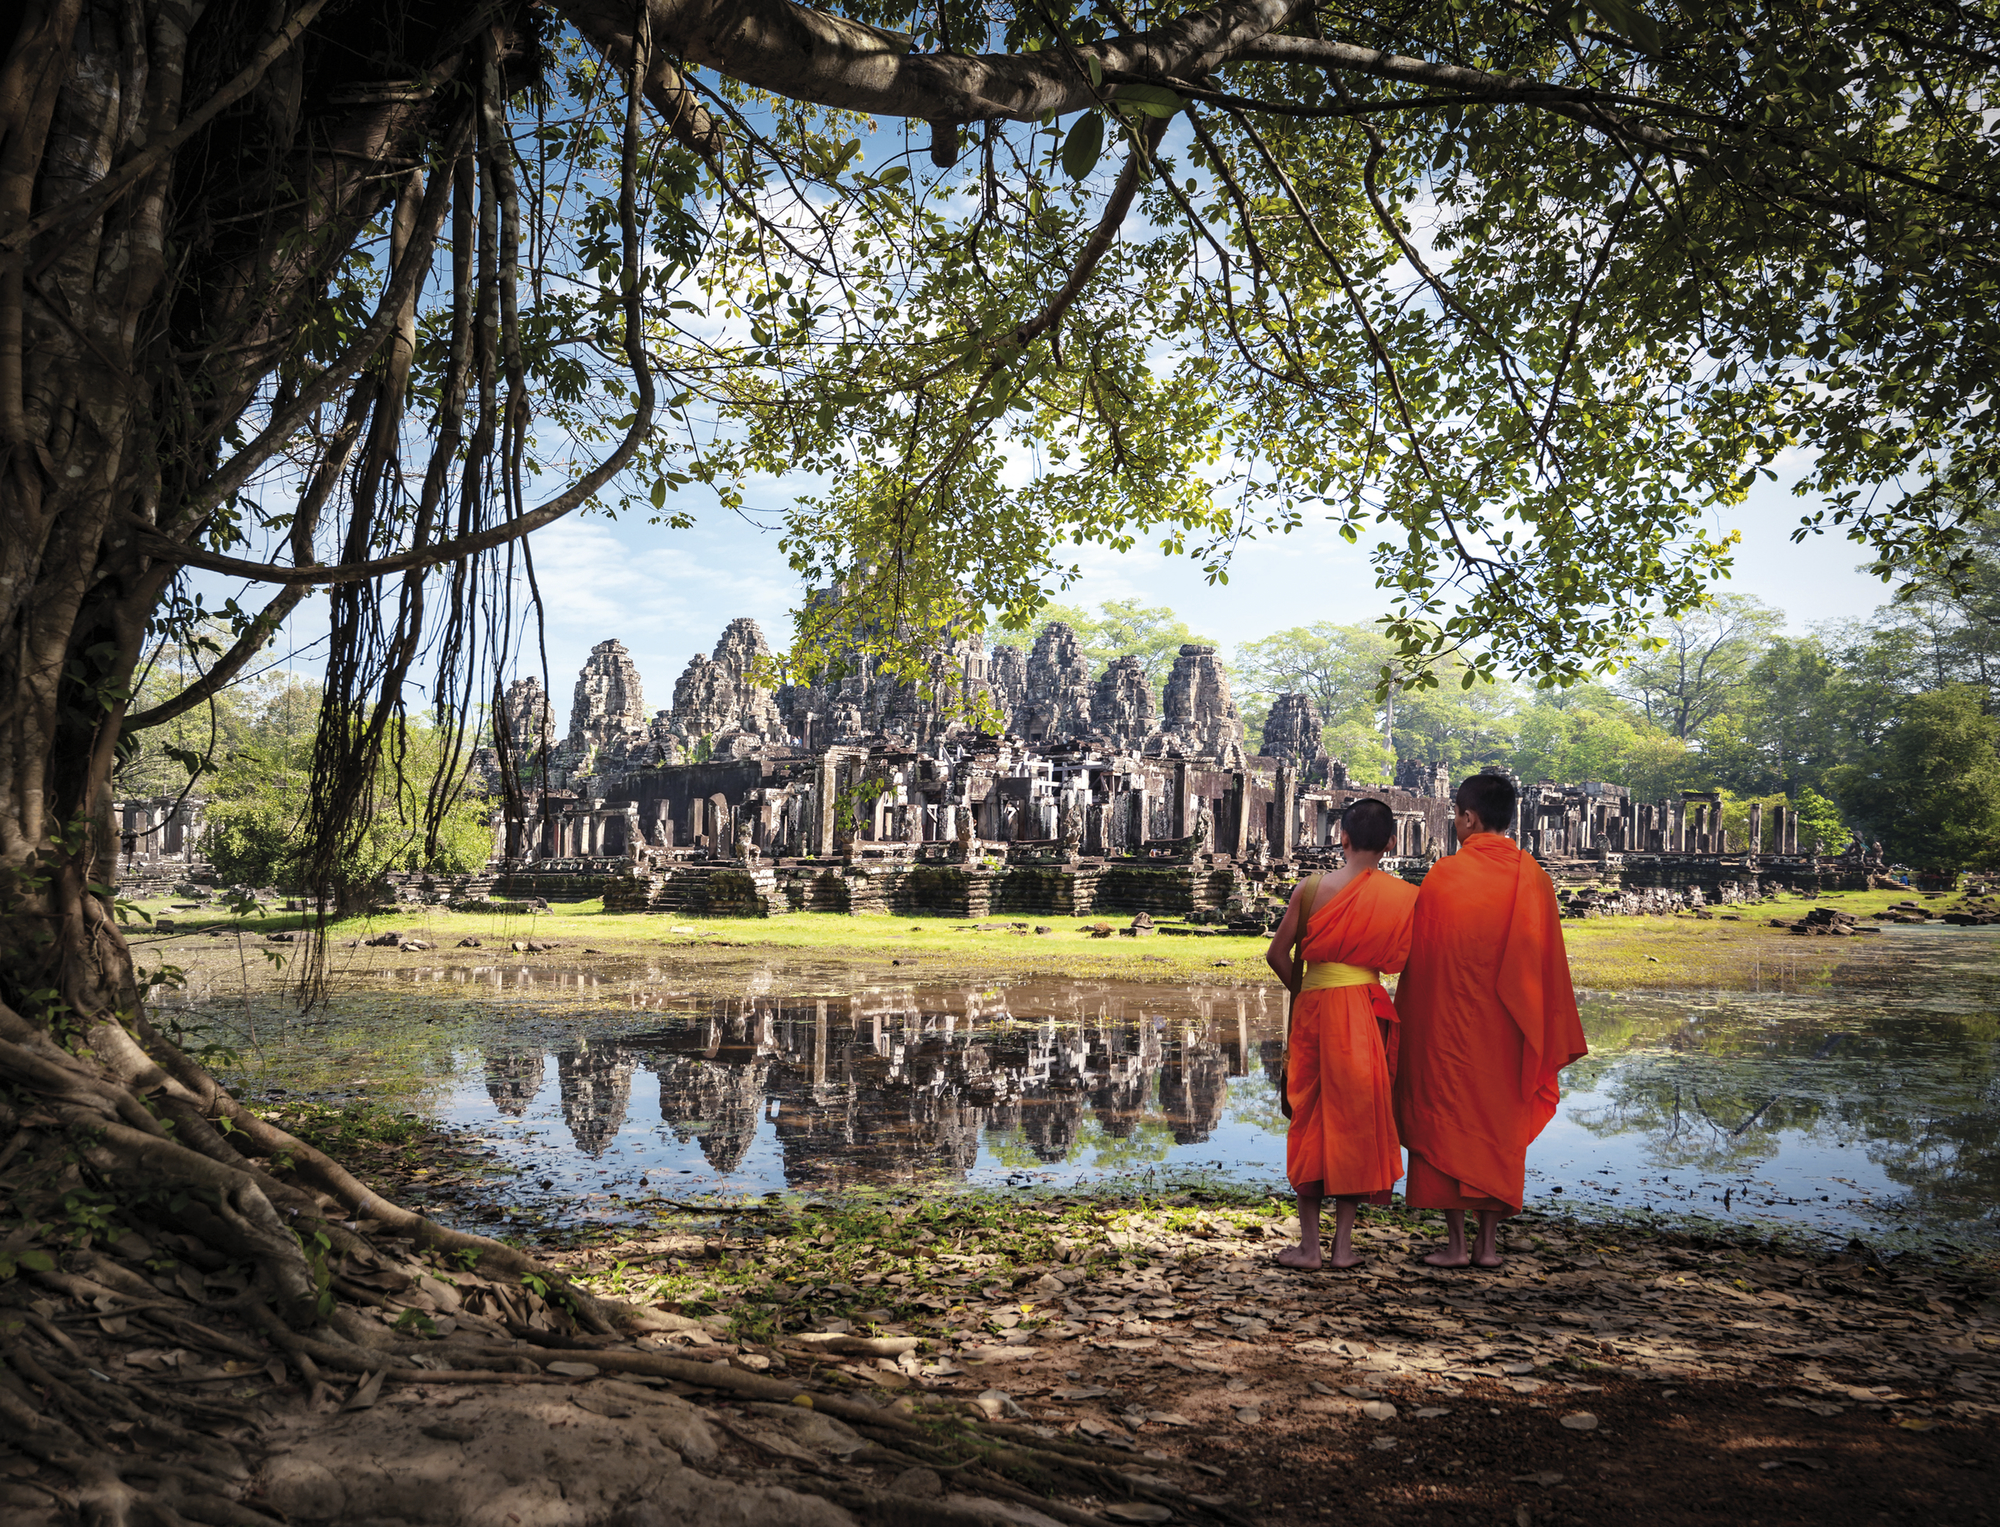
(1338, 1071)
(1489, 1019)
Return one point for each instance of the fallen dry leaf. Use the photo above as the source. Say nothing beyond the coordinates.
(1580, 1421)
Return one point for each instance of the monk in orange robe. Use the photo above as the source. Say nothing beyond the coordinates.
(1489, 1019)
(1340, 934)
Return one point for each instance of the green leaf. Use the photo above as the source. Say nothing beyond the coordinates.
(1084, 146)
(36, 1261)
(1096, 72)
(1632, 22)
(1153, 100)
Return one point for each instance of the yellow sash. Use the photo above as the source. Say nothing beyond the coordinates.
(1329, 974)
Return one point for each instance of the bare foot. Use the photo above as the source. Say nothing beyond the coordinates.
(1491, 1259)
(1447, 1259)
(1306, 1259)
(1352, 1259)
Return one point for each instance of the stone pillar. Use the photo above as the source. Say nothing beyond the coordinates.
(1183, 816)
(824, 789)
(1756, 844)
(1286, 809)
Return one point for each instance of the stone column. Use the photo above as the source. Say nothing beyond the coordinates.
(824, 789)
(1183, 816)
(1756, 844)
(1285, 808)
(1239, 837)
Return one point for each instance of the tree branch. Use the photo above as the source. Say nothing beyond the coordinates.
(226, 668)
(811, 55)
(609, 30)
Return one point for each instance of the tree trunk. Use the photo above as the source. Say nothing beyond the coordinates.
(153, 295)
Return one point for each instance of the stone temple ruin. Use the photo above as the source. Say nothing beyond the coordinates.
(866, 793)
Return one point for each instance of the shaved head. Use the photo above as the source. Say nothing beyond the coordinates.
(1369, 824)
(1490, 797)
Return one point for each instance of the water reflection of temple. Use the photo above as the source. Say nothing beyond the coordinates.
(513, 1077)
(596, 1086)
(885, 1087)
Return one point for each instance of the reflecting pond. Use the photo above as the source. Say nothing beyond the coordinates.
(1865, 1098)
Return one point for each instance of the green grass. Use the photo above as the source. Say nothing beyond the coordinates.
(929, 944)
(1606, 954)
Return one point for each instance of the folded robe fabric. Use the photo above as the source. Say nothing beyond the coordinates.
(1488, 1021)
(1343, 1130)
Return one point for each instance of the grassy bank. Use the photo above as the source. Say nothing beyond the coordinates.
(1733, 949)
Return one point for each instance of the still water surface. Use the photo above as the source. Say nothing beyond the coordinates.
(1859, 1095)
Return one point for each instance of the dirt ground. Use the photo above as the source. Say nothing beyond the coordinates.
(1135, 1362)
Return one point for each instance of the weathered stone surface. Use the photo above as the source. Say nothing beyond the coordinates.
(1121, 707)
(607, 718)
(530, 719)
(1424, 778)
(1200, 718)
(666, 739)
(718, 695)
(1007, 682)
(609, 700)
(1057, 702)
(1293, 730)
